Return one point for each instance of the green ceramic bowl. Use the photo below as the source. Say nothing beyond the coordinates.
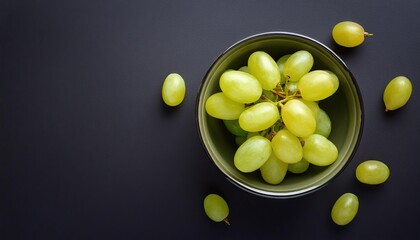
(345, 109)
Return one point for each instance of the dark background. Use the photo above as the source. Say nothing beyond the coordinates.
(89, 151)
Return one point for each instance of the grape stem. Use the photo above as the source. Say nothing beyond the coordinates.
(226, 221)
(366, 34)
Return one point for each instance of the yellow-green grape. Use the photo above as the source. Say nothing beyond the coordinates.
(349, 34)
(345, 209)
(280, 64)
(259, 117)
(298, 118)
(291, 88)
(323, 123)
(319, 151)
(287, 147)
(273, 170)
(251, 134)
(216, 208)
(252, 154)
(244, 69)
(233, 127)
(334, 79)
(299, 167)
(240, 86)
(221, 107)
(397, 93)
(265, 69)
(311, 105)
(173, 90)
(317, 85)
(297, 65)
(372, 172)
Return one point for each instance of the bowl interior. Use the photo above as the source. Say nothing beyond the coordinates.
(344, 108)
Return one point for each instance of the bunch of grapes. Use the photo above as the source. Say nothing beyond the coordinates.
(272, 109)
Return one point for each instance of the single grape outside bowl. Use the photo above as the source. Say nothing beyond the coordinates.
(344, 107)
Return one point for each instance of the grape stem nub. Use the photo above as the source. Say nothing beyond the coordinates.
(226, 221)
(366, 34)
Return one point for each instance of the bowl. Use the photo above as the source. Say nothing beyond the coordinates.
(344, 107)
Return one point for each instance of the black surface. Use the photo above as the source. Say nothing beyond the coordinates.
(89, 151)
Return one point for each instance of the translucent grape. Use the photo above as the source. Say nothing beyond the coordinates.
(372, 172)
(252, 154)
(244, 69)
(221, 107)
(323, 123)
(273, 170)
(397, 93)
(280, 64)
(233, 127)
(345, 209)
(317, 85)
(287, 147)
(311, 105)
(259, 117)
(291, 87)
(299, 167)
(319, 151)
(349, 34)
(216, 208)
(173, 90)
(240, 86)
(297, 65)
(265, 69)
(298, 118)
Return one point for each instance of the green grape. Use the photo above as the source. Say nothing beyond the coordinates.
(291, 87)
(317, 85)
(259, 117)
(299, 167)
(372, 172)
(345, 209)
(273, 170)
(233, 127)
(349, 34)
(239, 140)
(319, 151)
(240, 86)
(298, 118)
(297, 65)
(287, 147)
(323, 123)
(252, 154)
(244, 69)
(280, 64)
(397, 93)
(251, 134)
(216, 208)
(173, 90)
(265, 69)
(334, 79)
(311, 105)
(221, 107)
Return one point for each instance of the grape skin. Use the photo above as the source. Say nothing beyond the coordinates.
(397, 93)
(372, 172)
(173, 90)
(345, 209)
(349, 34)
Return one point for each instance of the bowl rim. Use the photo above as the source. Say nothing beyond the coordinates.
(295, 193)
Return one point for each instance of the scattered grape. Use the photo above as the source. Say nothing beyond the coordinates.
(349, 34)
(216, 208)
(372, 172)
(173, 90)
(397, 93)
(345, 209)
